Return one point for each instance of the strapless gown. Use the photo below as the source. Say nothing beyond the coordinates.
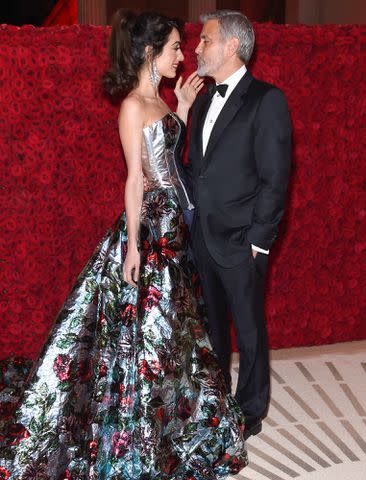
(127, 386)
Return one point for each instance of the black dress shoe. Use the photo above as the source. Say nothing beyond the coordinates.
(252, 428)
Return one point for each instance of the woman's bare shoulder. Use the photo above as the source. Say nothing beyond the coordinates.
(132, 107)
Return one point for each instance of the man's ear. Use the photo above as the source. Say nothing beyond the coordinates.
(232, 46)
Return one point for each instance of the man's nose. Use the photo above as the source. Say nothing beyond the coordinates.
(198, 49)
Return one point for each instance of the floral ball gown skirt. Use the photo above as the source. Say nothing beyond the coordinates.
(127, 386)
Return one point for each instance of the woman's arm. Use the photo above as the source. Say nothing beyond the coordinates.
(130, 124)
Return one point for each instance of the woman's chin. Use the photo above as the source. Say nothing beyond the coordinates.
(171, 74)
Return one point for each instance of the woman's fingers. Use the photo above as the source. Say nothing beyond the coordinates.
(146, 184)
(197, 86)
(125, 274)
(199, 83)
(135, 273)
(178, 85)
(191, 77)
(131, 274)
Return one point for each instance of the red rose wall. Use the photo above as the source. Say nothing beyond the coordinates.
(63, 175)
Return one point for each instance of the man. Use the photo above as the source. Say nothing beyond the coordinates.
(239, 164)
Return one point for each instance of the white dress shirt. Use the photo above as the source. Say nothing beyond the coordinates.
(217, 104)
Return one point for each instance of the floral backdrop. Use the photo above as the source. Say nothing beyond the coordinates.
(63, 174)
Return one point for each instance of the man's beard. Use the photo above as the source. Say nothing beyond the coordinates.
(201, 68)
(208, 69)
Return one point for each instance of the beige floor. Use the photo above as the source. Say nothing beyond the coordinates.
(316, 424)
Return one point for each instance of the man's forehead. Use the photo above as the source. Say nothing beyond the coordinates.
(210, 28)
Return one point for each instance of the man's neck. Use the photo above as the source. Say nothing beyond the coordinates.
(227, 72)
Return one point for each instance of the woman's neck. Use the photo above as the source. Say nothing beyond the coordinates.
(145, 87)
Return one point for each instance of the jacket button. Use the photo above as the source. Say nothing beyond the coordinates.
(201, 176)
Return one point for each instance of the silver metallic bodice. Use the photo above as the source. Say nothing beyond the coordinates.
(160, 149)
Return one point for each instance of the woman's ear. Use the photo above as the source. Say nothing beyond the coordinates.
(148, 52)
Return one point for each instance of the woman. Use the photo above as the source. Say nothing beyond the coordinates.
(127, 386)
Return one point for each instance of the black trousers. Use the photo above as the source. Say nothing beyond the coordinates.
(240, 290)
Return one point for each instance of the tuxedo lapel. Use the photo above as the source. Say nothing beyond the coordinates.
(206, 101)
(237, 100)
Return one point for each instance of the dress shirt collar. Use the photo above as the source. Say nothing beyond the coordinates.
(234, 79)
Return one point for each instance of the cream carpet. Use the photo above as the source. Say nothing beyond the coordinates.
(316, 424)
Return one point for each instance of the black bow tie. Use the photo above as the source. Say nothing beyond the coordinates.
(221, 89)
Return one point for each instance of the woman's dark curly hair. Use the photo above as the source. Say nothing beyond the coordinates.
(130, 35)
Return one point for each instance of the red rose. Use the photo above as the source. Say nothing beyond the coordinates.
(213, 421)
(163, 242)
(62, 367)
(17, 433)
(93, 449)
(4, 474)
(160, 413)
(103, 369)
(197, 330)
(206, 355)
(120, 443)
(236, 465)
(128, 314)
(148, 370)
(150, 297)
(66, 475)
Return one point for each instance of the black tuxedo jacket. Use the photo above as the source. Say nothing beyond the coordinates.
(239, 186)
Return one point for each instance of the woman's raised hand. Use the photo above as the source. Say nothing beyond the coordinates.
(186, 93)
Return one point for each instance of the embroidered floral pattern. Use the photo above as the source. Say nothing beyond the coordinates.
(127, 386)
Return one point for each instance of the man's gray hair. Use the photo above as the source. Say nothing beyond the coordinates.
(234, 24)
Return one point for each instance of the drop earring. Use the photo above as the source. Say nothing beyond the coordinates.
(154, 74)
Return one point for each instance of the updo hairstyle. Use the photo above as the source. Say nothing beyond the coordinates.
(130, 35)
